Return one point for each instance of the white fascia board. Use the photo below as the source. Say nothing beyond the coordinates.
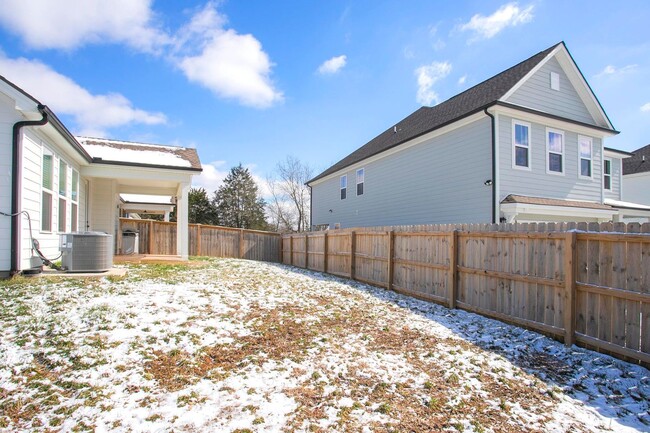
(148, 207)
(564, 211)
(614, 154)
(551, 122)
(131, 172)
(636, 175)
(23, 103)
(413, 142)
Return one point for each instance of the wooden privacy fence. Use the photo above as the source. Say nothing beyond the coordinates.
(159, 237)
(585, 285)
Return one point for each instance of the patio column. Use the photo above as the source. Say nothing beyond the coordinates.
(182, 215)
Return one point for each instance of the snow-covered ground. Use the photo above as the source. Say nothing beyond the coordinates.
(238, 346)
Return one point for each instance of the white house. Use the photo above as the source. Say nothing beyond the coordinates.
(636, 175)
(52, 182)
(526, 145)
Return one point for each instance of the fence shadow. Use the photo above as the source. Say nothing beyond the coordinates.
(599, 381)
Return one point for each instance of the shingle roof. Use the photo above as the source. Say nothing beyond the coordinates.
(140, 154)
(427, 119)
(522, 199)
(637, 163)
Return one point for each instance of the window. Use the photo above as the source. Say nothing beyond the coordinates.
(74, 197)
(62, 214)
(555, 81)
(607, 175)
(344, 186)
(360, 178)
(46, 191)
(585, 149)
(555, 151)
(63, 178)
(520, 145)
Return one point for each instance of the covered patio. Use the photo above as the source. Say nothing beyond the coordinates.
(121, 167)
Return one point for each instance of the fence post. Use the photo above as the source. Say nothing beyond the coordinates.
(198, 239)
(569, 287)
(241, 243)
(391, 255)
(291, 250)
(150, 237)
(352, 248)
(453, 269)
(325, 252)
(306, 251)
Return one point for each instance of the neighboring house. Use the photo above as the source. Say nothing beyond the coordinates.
(67, 184)
(524, 145)
(636, 175)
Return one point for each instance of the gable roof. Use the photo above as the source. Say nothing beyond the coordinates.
(117, 152)
(639, 162)
(427, 119)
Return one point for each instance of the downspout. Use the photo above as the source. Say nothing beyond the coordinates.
(16, 183)
(494, 165)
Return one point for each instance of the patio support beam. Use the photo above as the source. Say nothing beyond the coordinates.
(182, 216)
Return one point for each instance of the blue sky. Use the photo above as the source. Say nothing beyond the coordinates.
(255, 81)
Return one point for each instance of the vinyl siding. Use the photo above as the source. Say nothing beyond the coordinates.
(536, 93)
(615, 193)
(537, 182)
(8, 117)
(33, 144)
(438, 181)
(636, 188)
(103, 205)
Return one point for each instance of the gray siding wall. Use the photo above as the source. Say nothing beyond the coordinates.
(537, 182)
(438, 181)
(615, 193)
(536, 93)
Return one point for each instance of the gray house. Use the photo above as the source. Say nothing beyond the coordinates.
(524, 145)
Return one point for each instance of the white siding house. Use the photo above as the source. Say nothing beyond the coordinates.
(53, 183)
(636, 194)
(524, 145)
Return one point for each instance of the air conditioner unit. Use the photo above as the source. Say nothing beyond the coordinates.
(86, 251)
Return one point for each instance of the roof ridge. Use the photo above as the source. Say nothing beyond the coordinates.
(130, 142)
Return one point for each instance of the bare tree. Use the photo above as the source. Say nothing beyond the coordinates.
(280, 213)
(291, 196)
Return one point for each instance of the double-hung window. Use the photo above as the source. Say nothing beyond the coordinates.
(47, 180)
(585, 148)
(554, 151)
(360, 181)
(63, 202)
(74, 201)
(344, 187)
(607, 174)
(520, 145)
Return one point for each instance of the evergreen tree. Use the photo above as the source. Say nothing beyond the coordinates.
(201, 209)
(238, 202)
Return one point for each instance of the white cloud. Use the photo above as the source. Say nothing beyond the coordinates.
(462, 80)
(68, 24)
(646, 107)
(211, 177)
(428, 75)
(92, 113)
(333, 65)
(508, 15)
(231, 65)
(613, 70)
(213, 174)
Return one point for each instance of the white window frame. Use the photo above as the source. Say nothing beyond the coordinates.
(590, 159)
(362, 182)
(548, 152)
(64, 197)
(342, 179)
(74, 201)
(515, 145)
(605, 174)
(555, 81)
(45, 151)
